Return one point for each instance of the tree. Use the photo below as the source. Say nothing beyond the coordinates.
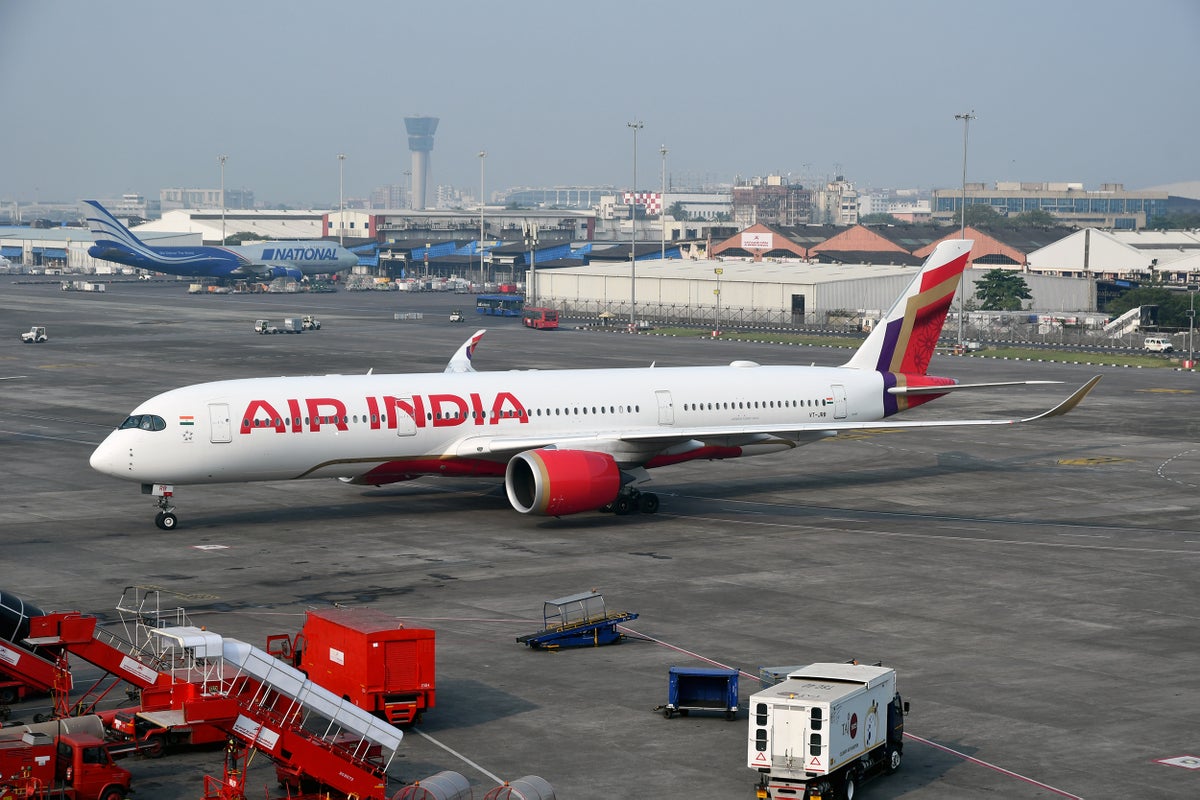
(1038, 218)
(980, 214)
(879, 219)
(675, 211)
(1001, 290)
(1172, 305)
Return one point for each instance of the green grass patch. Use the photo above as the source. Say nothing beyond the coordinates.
(1017, 353)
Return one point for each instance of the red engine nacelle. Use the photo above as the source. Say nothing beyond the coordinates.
(560, 482)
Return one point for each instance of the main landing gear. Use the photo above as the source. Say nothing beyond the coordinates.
(631, 501)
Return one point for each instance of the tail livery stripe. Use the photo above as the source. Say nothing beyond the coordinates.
(904, 340)
(911, 340)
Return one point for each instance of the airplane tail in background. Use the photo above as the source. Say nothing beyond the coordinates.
(904, 340)
(109, 228)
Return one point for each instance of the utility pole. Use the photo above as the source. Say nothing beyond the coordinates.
(222, 159)
(482, 156)
(662, 204)
(636, 126)
(962, 290)
(341, 203)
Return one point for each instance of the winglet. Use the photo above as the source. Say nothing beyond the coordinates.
(1069, 404)
(461, 361)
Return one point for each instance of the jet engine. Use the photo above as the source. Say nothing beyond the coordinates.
(555, 483)
(285, 272)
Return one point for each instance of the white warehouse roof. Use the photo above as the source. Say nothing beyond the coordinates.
(263, 223)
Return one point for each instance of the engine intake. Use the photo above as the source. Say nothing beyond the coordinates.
(285, 272)
(555, 483)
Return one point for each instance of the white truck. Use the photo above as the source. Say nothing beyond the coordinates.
(35, 335)
(824, 730)
(310, 323)
(1158, 344)
(264, 326)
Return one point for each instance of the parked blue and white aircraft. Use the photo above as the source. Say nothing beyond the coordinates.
(264, 261)
(563, 441)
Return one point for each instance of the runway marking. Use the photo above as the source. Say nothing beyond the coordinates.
(1166, 391)
(1093, 461)
(1187, 762)
(1161, 471)
(991, 766)
(28, 435)
(13, 377)
(914, 737)
(976, 539)
(458, 755)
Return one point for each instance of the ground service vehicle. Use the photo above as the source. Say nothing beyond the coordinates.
(456, 316)
(543, 319)
(264, 326)
(35, 335)
(1158, 344)
(825, 730)
(365, 657)
(499, 305)
(292, 325)
(310, 323)
(76, 766)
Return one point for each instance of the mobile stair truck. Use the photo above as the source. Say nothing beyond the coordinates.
(823, 731)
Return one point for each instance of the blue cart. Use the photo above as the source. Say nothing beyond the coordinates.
(702, 689)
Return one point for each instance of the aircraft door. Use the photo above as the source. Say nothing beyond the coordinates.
(839, 401)
(406, 424)
(220, 431)
(666, 409)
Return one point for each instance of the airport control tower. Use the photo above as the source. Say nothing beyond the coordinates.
(420, 141)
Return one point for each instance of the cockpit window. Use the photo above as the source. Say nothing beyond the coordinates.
(146, 422)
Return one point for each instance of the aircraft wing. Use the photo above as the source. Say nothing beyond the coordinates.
(735, 435)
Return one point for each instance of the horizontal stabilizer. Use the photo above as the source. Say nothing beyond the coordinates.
(955, 387)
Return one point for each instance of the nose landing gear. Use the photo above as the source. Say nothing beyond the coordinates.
(165, 519)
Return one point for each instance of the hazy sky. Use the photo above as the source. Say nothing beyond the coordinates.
(102, 98)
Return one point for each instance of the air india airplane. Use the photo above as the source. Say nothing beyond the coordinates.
(264, 261)
(564, 441)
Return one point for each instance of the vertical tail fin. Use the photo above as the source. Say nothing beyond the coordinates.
(904, 339)
(109, 228)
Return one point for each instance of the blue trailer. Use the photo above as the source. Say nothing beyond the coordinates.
(702, 689)
(578, 620)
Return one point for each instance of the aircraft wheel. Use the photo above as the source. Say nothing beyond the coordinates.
(648, 503)
(166, 520)
(607, 508)
(622, 506)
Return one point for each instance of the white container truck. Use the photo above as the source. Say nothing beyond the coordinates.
(824, 730)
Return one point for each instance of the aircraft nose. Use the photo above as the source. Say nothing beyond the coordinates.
(110, 459)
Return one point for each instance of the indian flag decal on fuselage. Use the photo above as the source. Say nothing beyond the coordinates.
(187, 420)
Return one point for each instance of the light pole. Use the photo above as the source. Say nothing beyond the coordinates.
(636, 126)
(962, 292)
(221, 159)
(1192, 324)
(531, 242)
(341, 205)
(482, 156)
(717, 292)
(662, 204)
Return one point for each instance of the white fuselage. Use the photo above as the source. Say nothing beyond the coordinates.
(351, 426)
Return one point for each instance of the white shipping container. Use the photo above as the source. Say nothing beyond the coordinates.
(820, 718)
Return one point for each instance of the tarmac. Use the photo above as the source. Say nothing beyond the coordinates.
(1035, 586)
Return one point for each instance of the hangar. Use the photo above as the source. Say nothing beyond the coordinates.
(727, 292)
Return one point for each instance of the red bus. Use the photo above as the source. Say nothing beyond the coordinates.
(545, 319)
